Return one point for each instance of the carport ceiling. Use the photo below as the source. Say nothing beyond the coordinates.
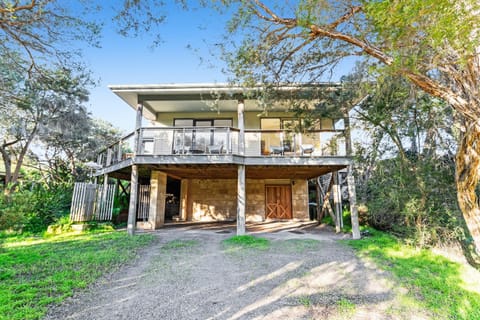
(229, 171)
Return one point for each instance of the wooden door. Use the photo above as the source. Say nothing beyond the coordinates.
(278, 200)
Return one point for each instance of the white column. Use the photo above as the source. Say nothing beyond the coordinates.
(138, 125)
(132, 207)
(337, 202)
(241, 200)
(241, 188)
(353, 204)
(241, 127)
(158, 190)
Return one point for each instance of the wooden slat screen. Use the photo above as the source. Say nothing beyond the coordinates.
(90, 202)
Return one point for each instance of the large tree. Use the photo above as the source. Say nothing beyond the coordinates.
(434, 44)
(36, 106)
(35, 32)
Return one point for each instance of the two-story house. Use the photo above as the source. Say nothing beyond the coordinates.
(218, 152)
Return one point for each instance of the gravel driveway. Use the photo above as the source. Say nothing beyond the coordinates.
(188, 273)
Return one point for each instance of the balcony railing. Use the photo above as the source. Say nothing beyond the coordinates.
(219, 141)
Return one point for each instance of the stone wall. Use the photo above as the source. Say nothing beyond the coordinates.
(212, 199)
(300, 200)
(255, 210)
(216, 199)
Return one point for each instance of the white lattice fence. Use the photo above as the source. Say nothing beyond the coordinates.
(92, 202)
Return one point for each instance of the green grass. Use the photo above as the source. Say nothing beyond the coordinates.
(434, 281)
(246, 242)
(305, 301)
(346, 307)
(36, 271)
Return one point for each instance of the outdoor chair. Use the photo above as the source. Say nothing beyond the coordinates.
(215, 149)
(277, 150)
(306, 149)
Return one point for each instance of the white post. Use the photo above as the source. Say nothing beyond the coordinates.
(241, 192)
(132, 207)
(241, 200)
(353, 204)
(241, 127)
(337, 202)
(158, 190)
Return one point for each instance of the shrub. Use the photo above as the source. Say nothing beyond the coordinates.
(35, 208)
(417, 203)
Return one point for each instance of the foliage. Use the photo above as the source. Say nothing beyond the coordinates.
(62, 225)
(37, 272)
(432, 280)
(405, 165)
(418, 205)
(33, 209)
(43, 104)
(431, 44)
(45, 31)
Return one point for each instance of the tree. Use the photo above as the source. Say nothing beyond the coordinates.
(434, 44)
(46, 31)
(404, 161)
(77, 138)
(37, 105)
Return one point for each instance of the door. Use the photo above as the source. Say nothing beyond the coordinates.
(202, 135)
(278, 200)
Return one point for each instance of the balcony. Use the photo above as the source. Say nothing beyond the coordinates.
(221, 144)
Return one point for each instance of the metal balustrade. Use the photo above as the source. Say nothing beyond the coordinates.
(220, 141)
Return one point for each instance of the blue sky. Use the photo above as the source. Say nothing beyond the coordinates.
(187, 40)
(123, 60)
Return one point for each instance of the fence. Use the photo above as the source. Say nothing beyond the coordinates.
(91, 202)
(143, 202)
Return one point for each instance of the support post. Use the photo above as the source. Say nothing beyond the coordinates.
(241, 200)
(132, 208)
(353, 204)
(184, 194)
(138, 125)
(241, 127)
(241, 189)
(158, 190)
(337, 202)
(104, 192)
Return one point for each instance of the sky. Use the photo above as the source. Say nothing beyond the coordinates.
(182, 57)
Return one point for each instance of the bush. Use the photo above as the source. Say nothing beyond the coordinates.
(33, 209)
(417, 203)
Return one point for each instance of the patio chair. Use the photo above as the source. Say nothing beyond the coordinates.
(306, 149)
(277, 150)
(215, 149)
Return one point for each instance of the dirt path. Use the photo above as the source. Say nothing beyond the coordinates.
(189, 274)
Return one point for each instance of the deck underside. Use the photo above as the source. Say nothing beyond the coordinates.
(227, 171)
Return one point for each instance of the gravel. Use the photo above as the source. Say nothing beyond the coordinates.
(305, 273)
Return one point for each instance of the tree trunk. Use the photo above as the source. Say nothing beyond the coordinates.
(467, 177)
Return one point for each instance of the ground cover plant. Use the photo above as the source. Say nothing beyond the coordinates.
(246, 241)
(36, 271)
(433, 280)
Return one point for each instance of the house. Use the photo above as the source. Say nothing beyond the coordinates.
(222, 152)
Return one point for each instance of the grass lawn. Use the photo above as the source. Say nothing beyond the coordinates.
(246, 241)
(35, 271)
(436, 283)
